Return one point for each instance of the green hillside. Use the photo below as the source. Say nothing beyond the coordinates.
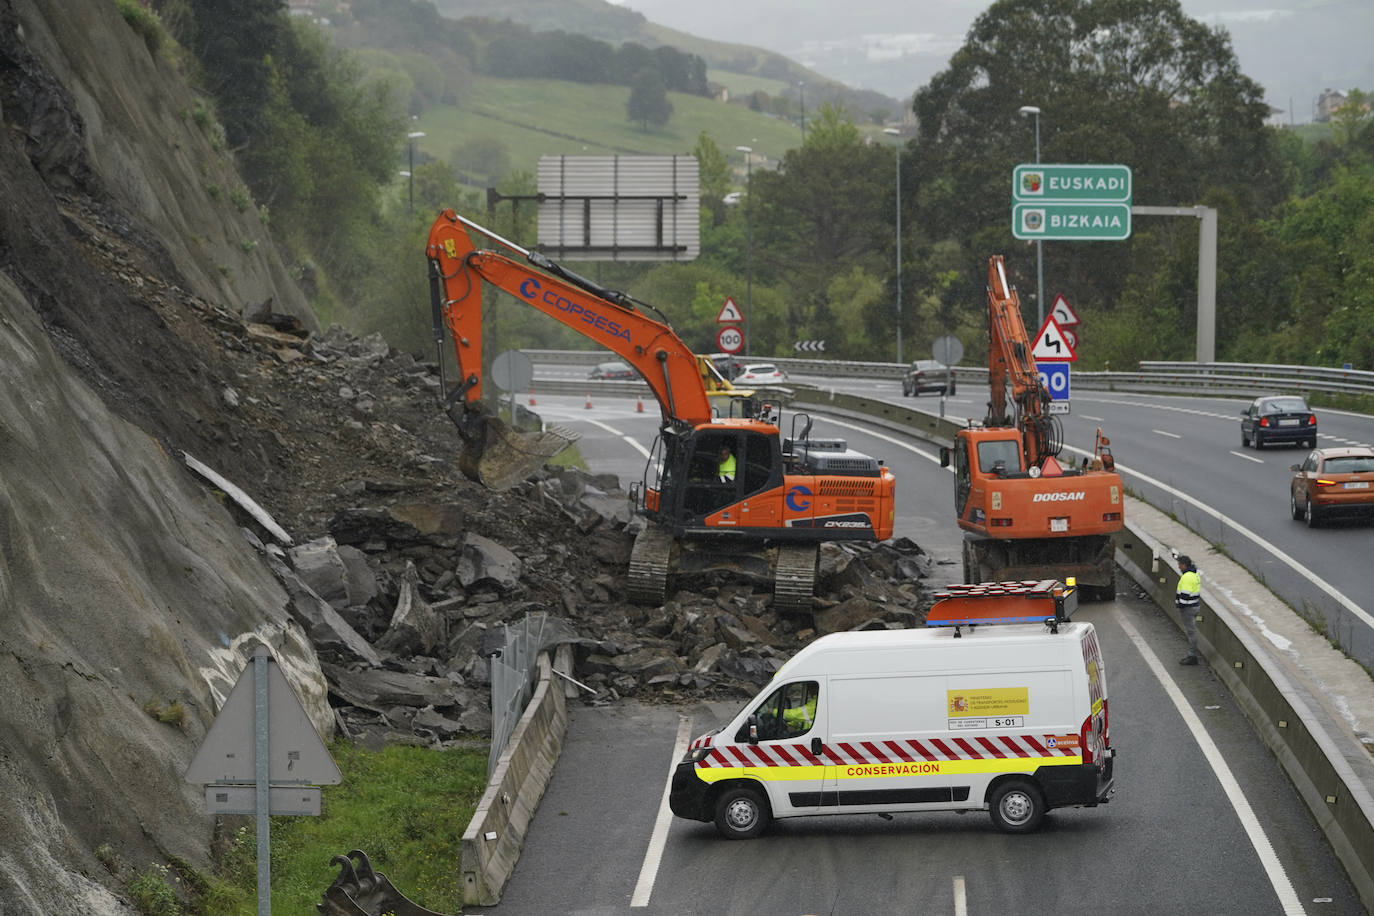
(534, 118)
(741, 68)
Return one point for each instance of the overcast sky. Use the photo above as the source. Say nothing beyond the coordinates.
(1293, 48)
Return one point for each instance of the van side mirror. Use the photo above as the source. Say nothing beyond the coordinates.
(753, 729)
(944, 456)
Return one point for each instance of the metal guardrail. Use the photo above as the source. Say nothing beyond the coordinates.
(1248, 379)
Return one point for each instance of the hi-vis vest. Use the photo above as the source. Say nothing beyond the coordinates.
(1189, 594)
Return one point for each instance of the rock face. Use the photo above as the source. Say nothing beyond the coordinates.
(132, 591)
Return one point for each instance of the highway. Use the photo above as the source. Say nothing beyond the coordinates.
(1204, 820)
(1183, 456)
(1180, 454)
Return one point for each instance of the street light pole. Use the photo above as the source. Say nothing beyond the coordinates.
(410, 142)
(892, 131)
(748, 239)
(1025, 110)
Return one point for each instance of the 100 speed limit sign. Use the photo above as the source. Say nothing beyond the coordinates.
(730, 340)
(1055, 378)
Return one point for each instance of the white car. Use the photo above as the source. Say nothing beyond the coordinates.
(761, 374)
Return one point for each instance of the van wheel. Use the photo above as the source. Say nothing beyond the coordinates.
(741, 813)
(1016, 806)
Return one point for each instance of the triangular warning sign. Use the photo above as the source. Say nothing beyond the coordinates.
(729, 312)
(295, 753)
(1051, 346)
(1063, 313)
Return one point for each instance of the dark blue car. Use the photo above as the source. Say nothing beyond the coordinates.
(1278, 419)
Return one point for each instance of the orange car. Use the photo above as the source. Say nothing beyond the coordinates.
(1332, 482)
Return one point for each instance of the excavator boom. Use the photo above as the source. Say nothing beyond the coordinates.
(1025, 514)
(458, 268)
(722, 489)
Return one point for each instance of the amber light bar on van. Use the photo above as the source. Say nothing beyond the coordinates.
(1027, 601)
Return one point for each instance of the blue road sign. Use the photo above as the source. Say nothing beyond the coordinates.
(1055, 378)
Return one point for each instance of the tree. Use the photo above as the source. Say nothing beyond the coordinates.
(649, 100)
(1347, 120)
(233, 40)
(822, 213)
(1117, 81)
(832, 127)
(714, 172)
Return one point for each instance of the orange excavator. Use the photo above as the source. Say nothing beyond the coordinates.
(1026, 515)
(727, 491)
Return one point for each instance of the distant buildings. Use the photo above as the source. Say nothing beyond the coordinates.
(1327, 103)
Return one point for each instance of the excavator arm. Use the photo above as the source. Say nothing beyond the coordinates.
(1011, 370)
(457, 270)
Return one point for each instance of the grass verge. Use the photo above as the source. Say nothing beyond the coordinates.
(406, 807)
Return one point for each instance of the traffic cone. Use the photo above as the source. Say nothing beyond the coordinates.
(531, 397)
(589, 400)
(639, 404)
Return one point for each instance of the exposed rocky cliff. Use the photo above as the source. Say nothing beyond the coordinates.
(139, 325)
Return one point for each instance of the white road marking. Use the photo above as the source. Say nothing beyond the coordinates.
(960, 897)
(575, 418)
(653, 856)
(1093, 419)
(1260, 542)
(1269, 860)
(1163, 433)
(1248, 457)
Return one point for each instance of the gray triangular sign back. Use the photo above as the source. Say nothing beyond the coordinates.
(296, 755)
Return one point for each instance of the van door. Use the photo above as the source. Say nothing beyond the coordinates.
(888, 749)
(779, 744)
(1094, 736)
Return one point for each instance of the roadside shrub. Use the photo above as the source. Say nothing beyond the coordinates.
(143, 21)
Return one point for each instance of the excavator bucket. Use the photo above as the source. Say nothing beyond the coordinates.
(360, 891)
(498, 456)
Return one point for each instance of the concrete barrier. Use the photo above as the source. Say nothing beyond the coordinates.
(1291, 698)
(494, 837)
(1293, 706)
(1329, 765)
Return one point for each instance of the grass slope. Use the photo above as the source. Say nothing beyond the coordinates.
(536, 118)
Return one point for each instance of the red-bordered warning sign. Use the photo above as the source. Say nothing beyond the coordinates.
(1063, 313)
(1051, 345)
(729, 312)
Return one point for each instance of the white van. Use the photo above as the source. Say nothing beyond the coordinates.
(982, 710)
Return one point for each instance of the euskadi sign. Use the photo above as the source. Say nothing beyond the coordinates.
(1063, 183)
(1071, 202)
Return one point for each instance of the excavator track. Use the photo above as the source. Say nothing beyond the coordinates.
(794, 578)
(650, 563)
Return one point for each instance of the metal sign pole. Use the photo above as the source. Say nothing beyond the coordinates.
(260, 765)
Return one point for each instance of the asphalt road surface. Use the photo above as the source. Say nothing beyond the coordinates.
(1204, 820)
